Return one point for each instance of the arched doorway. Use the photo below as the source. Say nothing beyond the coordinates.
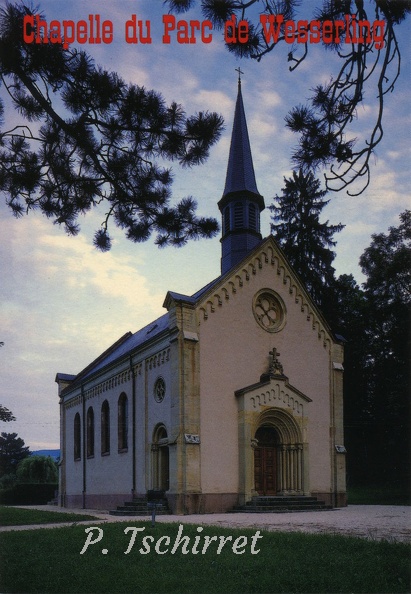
(161, 465)
(266, 461)
(278, 406)
(278, 455)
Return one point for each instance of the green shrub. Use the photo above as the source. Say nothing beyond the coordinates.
(7, 481)
(37, 469)
(28, 494)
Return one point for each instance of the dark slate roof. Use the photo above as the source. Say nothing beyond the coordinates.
(125, 345)
(196, 296)
(181, 297)
(65, 377)
(201, 292)
(130, 342)
(240, 169)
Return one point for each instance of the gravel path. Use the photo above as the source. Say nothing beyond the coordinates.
(377, 522)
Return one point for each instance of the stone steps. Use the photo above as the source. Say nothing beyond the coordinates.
(141, 506)
(282, 504)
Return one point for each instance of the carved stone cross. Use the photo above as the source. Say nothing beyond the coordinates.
(275, 366)
(274, 354)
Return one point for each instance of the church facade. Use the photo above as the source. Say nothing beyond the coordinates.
(236, 391)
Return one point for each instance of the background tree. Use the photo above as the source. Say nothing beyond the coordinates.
(12, 451)
(387, 265)
(323, 123)
(306, 241)
(86, 138)
(6, 415)
(375, 322)
(37, 469)
(353, 311)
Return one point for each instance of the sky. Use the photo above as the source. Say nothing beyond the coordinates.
(62, 302)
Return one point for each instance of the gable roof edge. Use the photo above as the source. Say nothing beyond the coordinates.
(241, 272)
(102, 356)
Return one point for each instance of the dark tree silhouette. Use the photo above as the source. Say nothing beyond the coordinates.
(305, 240)
(6, 415)
(88, 138)
(387, 264)
(323, 123)
(12, 450)
(376, 323)
(353, 324)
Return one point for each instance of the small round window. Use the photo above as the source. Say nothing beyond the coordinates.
(269, 310)
(159, 389)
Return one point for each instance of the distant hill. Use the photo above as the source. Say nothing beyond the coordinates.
(55, 454)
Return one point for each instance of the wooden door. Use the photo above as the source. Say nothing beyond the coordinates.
(265, 461)
(164, 469)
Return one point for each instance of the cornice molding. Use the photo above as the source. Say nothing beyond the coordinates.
(268, 253)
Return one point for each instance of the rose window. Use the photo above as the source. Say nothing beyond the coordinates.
(269, 310)
(159, 389)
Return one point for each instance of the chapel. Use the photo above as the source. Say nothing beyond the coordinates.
(235, 393)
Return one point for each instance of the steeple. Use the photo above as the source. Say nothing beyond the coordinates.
(241, 203)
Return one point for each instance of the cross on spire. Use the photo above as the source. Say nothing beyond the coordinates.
(240, 72)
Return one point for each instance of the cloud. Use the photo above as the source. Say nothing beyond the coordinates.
(62, 304)
(214, 101)
(84, 268)
(75, 291)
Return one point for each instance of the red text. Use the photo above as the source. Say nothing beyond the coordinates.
(92, 30)
(186, 31)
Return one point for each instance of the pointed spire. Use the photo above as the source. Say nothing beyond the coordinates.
(241, 203)
(240, 170)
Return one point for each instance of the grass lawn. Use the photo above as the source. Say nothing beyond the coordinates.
(49, 560)
(17, 516)
(378, 495)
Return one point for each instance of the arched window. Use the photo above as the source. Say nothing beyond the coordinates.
(90, 432)
(105, 428)
(161, 464)
(77, 437)
(122, 422)
(238, 215)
